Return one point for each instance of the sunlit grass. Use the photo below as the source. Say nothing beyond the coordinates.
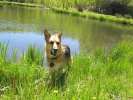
(33, 56)
(3, 53)
(19, 3)
(93, 76)
(96, 16)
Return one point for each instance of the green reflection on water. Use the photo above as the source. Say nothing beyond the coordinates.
(90, 33)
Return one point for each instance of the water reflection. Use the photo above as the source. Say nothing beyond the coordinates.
(21, 41)
(21, 22)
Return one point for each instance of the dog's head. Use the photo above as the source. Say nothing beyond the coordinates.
(53, 43)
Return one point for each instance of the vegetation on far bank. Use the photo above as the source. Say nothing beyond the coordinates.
(97, 75)
(112, 7)
(96, 16)
(73, 11)
(96, 5)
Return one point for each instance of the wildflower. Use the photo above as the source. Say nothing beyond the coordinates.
(4, 88)
(94, 98)
(55, 91)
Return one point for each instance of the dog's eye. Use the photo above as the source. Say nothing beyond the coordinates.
(51, 42)
(58, 43)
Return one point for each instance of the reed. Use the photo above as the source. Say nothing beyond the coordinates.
(98, 75)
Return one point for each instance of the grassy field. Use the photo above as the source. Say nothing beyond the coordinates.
(95, 76)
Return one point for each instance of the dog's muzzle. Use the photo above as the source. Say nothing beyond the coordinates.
(54, 52)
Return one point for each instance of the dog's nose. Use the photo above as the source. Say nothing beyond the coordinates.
(54, 51)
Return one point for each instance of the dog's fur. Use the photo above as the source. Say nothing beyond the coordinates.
(57, 55)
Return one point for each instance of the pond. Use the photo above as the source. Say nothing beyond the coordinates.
(23, 26)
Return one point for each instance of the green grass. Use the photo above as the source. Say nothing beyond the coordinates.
(20, 4)
(96, 16)
(56, 3)
(96, 76)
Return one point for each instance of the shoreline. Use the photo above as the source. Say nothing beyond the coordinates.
(74, 12)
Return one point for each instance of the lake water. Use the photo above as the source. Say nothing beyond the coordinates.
(23, 26)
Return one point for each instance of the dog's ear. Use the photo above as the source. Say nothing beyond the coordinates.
(47, 35)
(59, 34)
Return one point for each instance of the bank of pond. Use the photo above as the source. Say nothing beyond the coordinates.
(118, 18)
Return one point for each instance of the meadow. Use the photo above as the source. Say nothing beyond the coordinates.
(98, 75)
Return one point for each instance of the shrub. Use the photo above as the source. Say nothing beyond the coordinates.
(112, 6)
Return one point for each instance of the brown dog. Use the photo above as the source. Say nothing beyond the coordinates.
(57, 55)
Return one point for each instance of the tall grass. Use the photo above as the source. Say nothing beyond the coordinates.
(89, 4)
(57, 3)
(33, 56)
(3, 52)
(95, 76)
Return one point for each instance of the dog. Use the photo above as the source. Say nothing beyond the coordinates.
(58, 56)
